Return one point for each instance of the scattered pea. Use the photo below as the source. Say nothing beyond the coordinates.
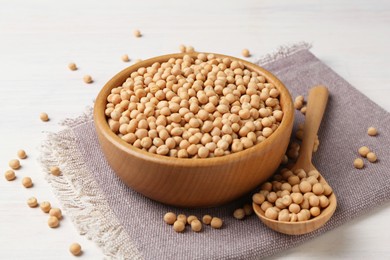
(75, 249)
(358, 163)
(190, 219)
(44, 117)
(179, 226)
(9, 175)
(182, 48)
(239, 213)
(196, 225)
(53, 222)
(248, 209)
(72, 66)
(125, 58)
(190, 49)
(371, 131)
(298, 102)
(371, 157)
(303, 110)
(206, 219)
(27, 182)
(363, 151)
(182, 218)
(22, 154)
(245, 53)
(14, 164)
(87, 79)
(137, 33)
(45, 206)
(170, 218)
(56, 212)
(55, 170)
(32, 202)
(216, 223)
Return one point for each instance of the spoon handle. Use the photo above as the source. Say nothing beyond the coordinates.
(316, 104)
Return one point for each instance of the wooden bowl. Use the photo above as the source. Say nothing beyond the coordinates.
(193, 182)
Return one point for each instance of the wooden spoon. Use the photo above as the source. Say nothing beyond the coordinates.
(318, 97)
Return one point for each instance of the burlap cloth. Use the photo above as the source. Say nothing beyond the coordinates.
(129, 226)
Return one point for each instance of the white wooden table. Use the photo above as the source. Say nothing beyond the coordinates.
(39, 38)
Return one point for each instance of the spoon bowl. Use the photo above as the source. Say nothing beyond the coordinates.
(317, 100)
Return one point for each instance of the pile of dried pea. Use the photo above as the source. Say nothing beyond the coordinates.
(293, 196)
(180, 221)
(194, 107)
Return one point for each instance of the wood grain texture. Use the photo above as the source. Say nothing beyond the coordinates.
(39, 38)
(193, 182)
(316, 104)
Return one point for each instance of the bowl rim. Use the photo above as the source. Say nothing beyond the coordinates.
(101, 123)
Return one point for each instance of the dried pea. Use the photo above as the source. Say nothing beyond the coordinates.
(372, 131)
(75, 249)
(358, 163)
(9, 175)
(44, 117)
(137, 33)
(125, 58)
(87, 79)
(179, 226)
(55, 170)
(191, 218)
(196, 225)
(14, 164)
(206, 219)
(22, 154)
(371, 157)
(216, 223)
(72, 66)
(170, 218)
(239, 213)
(27, 182)
(32, 202)
(56, 212)
(53, 222)
(248, 209)
(182, 218)
(363, 151)
(245, 53)
(45, 206)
